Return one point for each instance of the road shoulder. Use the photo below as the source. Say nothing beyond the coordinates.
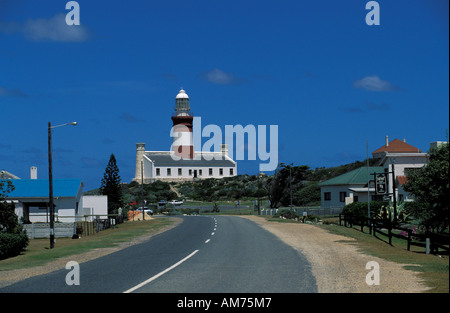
(337, 264)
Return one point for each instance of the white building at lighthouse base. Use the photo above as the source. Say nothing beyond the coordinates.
(164, 166)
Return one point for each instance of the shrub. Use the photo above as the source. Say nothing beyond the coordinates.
(12, 244)
(286, 213)
(359, 209)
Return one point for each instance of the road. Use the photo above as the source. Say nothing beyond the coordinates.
(204, 254)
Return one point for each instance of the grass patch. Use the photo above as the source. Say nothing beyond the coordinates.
(39, 253)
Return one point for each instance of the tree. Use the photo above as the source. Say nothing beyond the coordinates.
(8, 219)
(111, 186)
(430, 187)
(13, 239)
(309, 194)
(279, 185)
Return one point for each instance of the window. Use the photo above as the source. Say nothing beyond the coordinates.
(327, 196)
(210, 172)
(190, 172)
(179, 172)
(355, 198)
(231, 172)
(200, 173)
(221, 171)
(169, 172)
(158, 172)
(342, 196)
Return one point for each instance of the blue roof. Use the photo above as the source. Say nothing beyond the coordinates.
(38, 188)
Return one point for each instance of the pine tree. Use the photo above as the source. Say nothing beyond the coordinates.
(111, 186)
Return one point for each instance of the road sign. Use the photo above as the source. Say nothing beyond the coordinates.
(380, 183)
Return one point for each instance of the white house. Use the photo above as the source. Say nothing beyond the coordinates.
(162, 165)
(31, 198)
(401, 158)
(349, 187)
(396, 157)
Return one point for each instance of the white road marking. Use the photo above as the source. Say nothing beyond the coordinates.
(207, 240)
(212, 234)
(160, 274)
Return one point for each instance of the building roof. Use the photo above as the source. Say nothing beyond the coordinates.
(202, 159)
(355, 177)
(402, 179)
(398, 146)
(7, 175)
(182, 95)
(39, 188)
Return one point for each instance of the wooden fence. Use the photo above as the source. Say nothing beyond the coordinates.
(86, 228)
(430, 241)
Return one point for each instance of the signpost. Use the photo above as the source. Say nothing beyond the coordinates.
(380, 183)
(381, 188)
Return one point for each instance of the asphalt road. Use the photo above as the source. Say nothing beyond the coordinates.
(220, 254)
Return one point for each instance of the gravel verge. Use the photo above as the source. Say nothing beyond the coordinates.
(339, 267)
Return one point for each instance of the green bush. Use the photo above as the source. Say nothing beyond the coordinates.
(12, 244)
(359, 209)
(286, 213)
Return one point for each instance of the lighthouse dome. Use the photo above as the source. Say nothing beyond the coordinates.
(182, 95)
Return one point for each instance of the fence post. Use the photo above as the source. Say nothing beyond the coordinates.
(409, 239)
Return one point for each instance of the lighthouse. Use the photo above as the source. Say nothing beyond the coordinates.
(182, 145)
(187, 165)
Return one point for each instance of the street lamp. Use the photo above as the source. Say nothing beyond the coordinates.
(50, 182)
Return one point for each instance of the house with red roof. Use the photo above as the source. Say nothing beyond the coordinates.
(399, 156)
(396, 155)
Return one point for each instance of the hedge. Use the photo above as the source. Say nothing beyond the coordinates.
(12, 244)
(359, 209)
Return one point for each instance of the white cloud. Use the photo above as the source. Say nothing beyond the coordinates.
(375, 83)
(217, 76)
(48, 29)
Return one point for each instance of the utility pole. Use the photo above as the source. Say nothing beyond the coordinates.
(290, 182)
(394, 197)
(50, 188)
(368, 179)
(142, 190)
(50, 182)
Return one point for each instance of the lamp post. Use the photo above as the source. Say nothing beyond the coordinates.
(50, 182)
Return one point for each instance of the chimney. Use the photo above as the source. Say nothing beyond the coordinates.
(140, 150)
(387, 141)
(224, 149)
(404, 139)
(33, 172)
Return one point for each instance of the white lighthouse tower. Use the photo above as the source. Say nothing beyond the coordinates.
(187, 165)
(183, 145)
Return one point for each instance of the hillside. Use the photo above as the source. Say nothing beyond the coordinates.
(276, 188)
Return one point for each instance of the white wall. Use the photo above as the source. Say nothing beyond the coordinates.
(185, 172)
(95, 205)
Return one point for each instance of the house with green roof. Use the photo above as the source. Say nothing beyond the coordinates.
(349, 187)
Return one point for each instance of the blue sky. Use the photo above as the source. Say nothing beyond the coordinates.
(314, 68)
